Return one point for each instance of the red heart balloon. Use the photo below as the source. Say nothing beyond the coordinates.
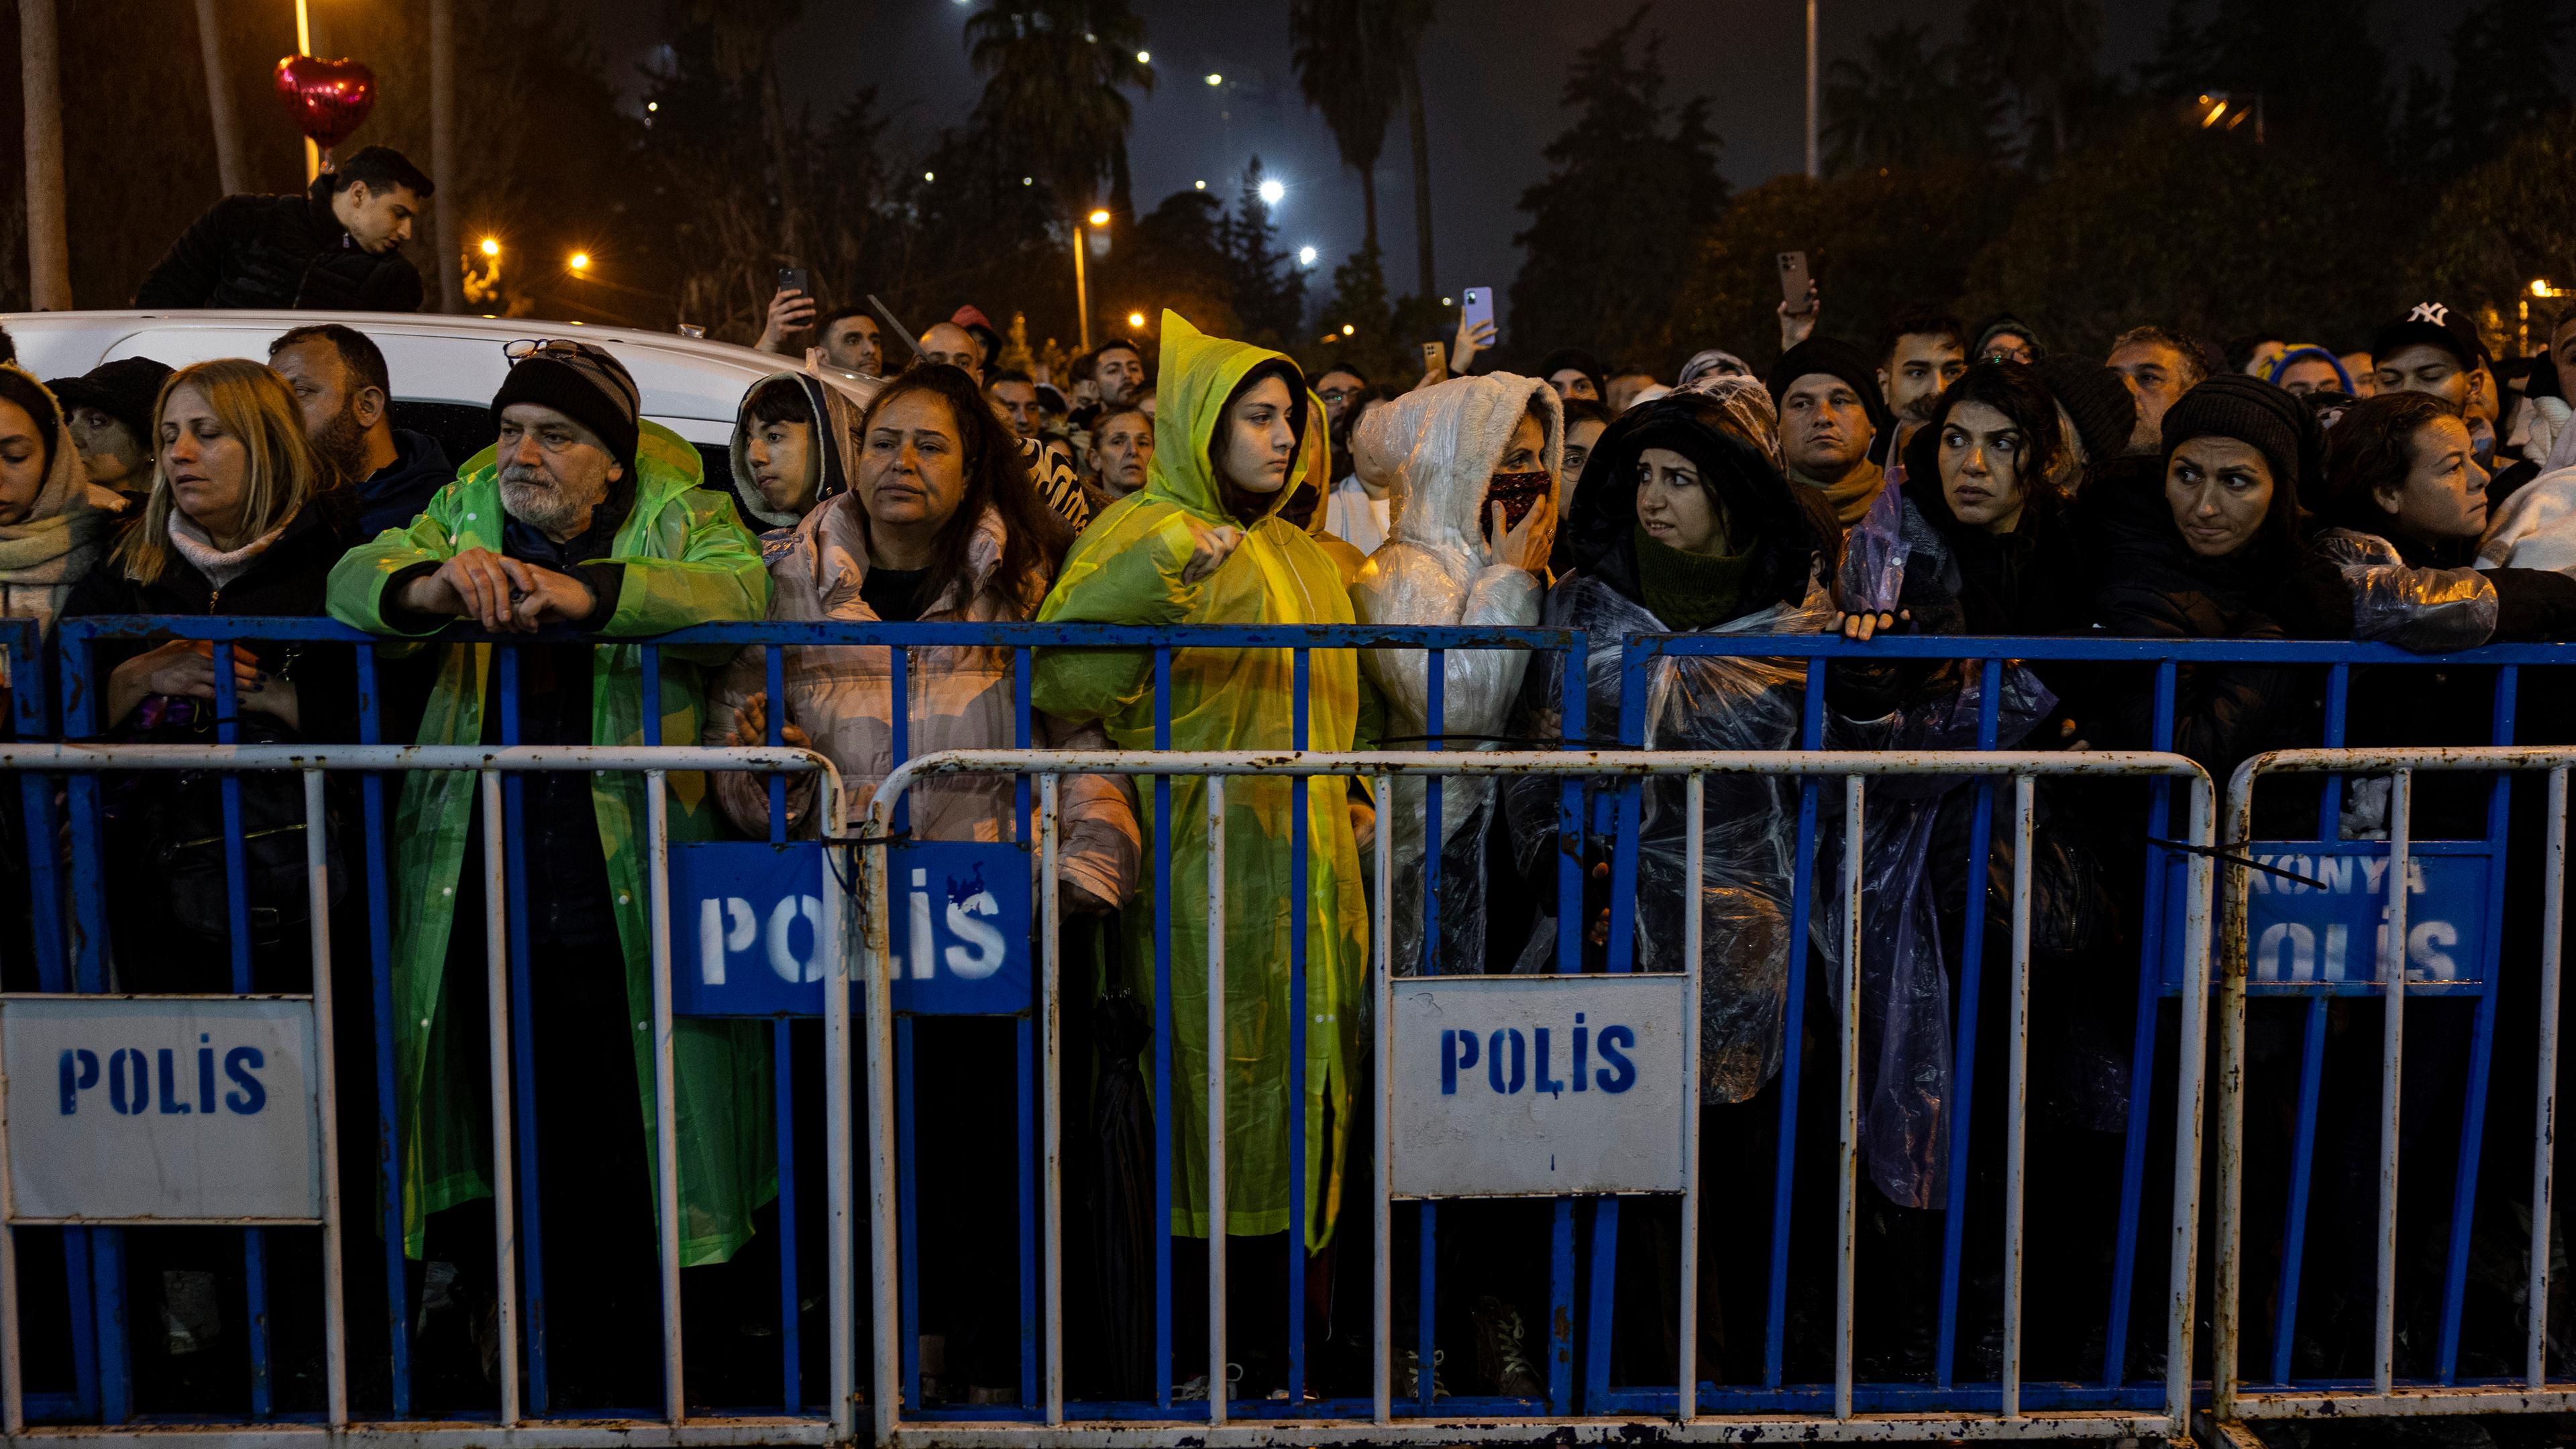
(325, 99)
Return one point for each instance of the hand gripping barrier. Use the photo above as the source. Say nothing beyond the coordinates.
(491, 765)
(1376, 1420)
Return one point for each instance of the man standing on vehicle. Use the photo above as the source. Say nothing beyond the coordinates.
(337, 248)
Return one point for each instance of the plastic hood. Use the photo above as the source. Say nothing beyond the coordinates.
(1435, 448)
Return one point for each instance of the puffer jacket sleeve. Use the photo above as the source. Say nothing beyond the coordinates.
(1098, 838)
(717, 577)
(743, 796)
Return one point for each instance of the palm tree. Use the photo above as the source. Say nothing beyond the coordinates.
(1405, 21)
(1346, 67)
(2042, 50)
(744, 35)
(1906, 106)
(1055, 73)
(49, 266)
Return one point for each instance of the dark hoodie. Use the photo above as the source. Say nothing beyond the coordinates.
(398, 492)
(2150, 585)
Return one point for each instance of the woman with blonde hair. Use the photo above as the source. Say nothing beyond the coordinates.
(244, 519)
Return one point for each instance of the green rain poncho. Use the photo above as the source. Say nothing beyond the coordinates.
(1126, 569)
(687, 561)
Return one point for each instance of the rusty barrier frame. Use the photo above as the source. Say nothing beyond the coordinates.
(1214, 1428)
(2230, 1400)
(676, 1428)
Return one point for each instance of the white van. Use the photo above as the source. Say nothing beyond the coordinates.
(444, 369)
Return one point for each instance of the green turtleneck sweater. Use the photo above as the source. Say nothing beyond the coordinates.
(1689, 591)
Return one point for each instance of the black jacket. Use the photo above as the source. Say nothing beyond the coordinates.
(289, 579)
(2152, 586)
(400, 491)
(278, 251)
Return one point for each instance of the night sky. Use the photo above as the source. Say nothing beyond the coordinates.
(1492, 73)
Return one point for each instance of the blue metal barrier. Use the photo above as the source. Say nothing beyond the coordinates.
(76, 954)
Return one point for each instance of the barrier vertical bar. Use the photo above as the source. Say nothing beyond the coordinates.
(2312, 1052)
(317, 885)
(1802, 877)
(2142, 1050)
(782, 1048)
(2392, 1045)
(1300, 1008)
(2188, 1081)
(1163, 1119)
(1219, 1391)
(1963, 1053)
(380, 985)
(838, 1208)
(93, 1259)
(2473, 1112)
(666, 1116)
(496, 994)
(2553, 920)
(237, 915)
(2017, 1093)
(13, 1385)
(876, 969)
(1036, 1075)
(1435, 718)
(1563, 1267)
(1694, 800)
(1051, 1074)
(906, 1201)
(536, 1302)
(1847, 1166)
(1381, 978)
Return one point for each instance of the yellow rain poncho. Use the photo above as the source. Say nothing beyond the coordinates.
(1126, 569)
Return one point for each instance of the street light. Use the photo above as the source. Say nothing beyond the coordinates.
(1215, 79)
(1136, 320)
(581, 261)
(491, 246)
(1305, 256)
(1348, 329)
(1272, 191)
(1144, 57)
(1100, 218)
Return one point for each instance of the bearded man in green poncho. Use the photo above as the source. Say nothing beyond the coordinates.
(584, 515)
(1205, 542)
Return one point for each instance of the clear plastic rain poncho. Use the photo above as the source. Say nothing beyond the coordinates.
(1435, 450)
(2426, 610)
(1748, 823)
(1905, 1001)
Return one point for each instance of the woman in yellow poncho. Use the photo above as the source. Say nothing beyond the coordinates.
(1204, 543)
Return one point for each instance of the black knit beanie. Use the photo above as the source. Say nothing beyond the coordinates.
(585, 384)
(126, 390)
(2273, 421)
(1834, 358)
(2104, 410)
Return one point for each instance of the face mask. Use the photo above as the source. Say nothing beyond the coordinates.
(1518, 493)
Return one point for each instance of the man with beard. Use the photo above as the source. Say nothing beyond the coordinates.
(346, 396)
(1830, 412)
(1925, 352)
(581, 515)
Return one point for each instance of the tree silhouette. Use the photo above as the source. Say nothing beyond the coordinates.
(1631, 184)
(1350, 69)
(1269, 291)
(1906, 106)
(1056, 73)
(2041, 50)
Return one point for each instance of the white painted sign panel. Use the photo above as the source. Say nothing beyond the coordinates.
(164, 1108)
(1518, 1086)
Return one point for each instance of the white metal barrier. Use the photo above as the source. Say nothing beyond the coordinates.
(2231, 1398)
(677, 1428)
(1689, 1425)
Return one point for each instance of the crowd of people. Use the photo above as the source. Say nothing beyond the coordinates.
(1942, 480)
